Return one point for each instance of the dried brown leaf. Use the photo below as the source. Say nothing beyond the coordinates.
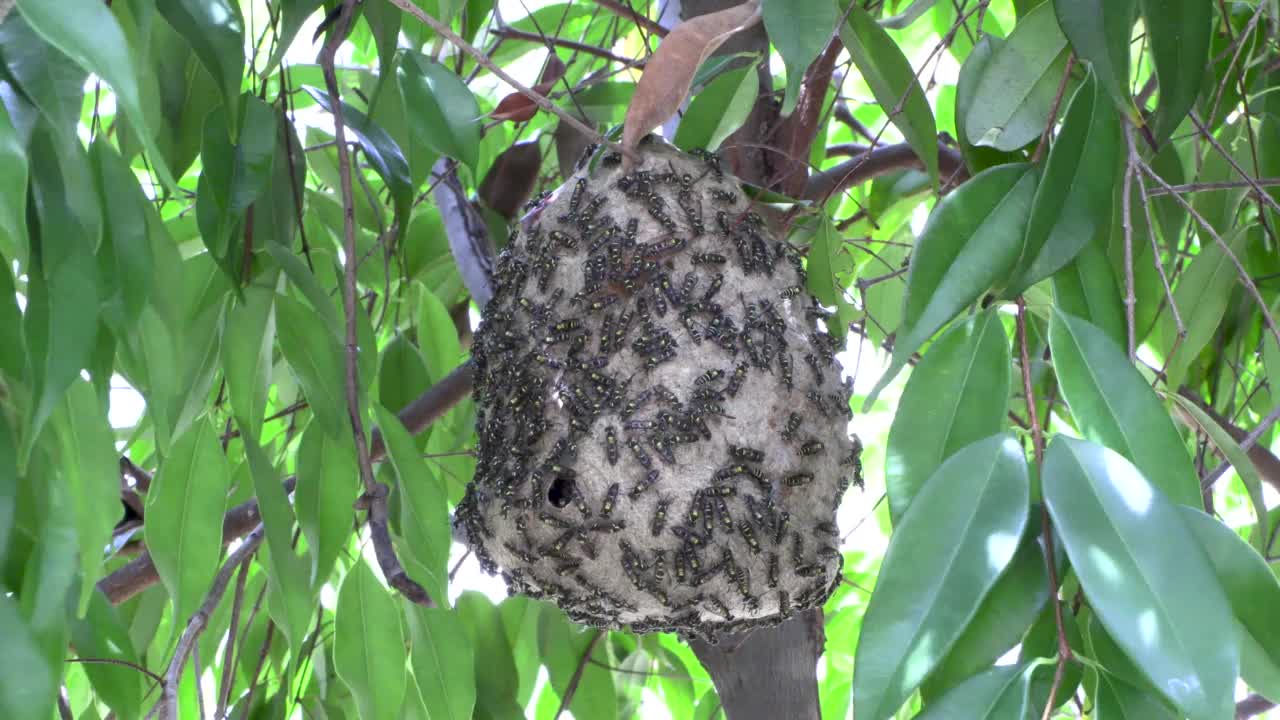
(518, 107)
(669, 73)
(511, 179)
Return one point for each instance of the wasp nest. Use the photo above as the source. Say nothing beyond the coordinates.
(662, 424)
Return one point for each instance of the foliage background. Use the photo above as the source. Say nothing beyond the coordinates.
(172, 230)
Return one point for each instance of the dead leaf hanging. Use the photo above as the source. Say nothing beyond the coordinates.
(669, 73)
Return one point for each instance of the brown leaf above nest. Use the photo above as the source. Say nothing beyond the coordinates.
(669, 73)
(518, 107)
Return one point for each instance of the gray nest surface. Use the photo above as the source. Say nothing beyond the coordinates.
(662, 426)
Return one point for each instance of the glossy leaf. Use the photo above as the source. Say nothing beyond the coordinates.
(184, 516)
(102, 634)
(402, 373)
(495, 673)
(1073, 198)
(1238, 458)
(327, 485)
(829, 263)
(1118, 700)
(976, 158)
(126, 246)
(563, 646)
(382, 153)
(290, 605)
(954, 541)
(443, 661)
(1086, 289)
(1251, 588)
(956, 395)
(996, 694)
(1015, 93)
(368, 644)
(91, 36)
(1178, 32)
(800, 30)
(215, 32)
(720, 109)
(967, 247)
(424, 515)
(234, 176)
(8, 485)
(315, 356)
(1202, 294)
(248, 337)
(445, 116)
(33, 697)
(1099, 33)
(13, 175)
(891, 79)
(1112, 405)
(1135, 557)
(88, 464)
(1008, 610)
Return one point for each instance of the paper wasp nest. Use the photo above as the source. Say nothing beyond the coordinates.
(662, 424)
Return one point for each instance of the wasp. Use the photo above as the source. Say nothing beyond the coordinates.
(793, 424)
(641, 456)
(611, 444)
(749, 534)
(746, 454)
(797, 479)
(737, 379)
(702, 258)
(813, 447)
(610, 499)
(709, 377)
(565, 240)
(659, 521)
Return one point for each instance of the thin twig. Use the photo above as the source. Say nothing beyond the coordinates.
(1220, 185)
(626, 11)
(1037, 444)
(198, 621)
(1249, 441)
(375, 493)
(1126, 221)
(229, 654)
(115, 661)
(572, 687)
(1043, 145)
(511, 33)
(484, 61)
(1262, 195)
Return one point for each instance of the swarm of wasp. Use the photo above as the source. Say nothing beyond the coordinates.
(648, 455)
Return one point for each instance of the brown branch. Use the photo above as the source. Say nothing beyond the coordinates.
(626, 11)
(1043, 145)
(116, 661)
(1252, 705)
(229, 654)
(1221, 185)
(375, 493)
(197, 623)
(510, 33)
(880, 161)
(796, 133)
(1266, 463)
(140, 573)
(572, 688)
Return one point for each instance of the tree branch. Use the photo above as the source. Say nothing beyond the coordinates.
(880, 161)
(566, 698)
(1252, 705)
(768, 673)
(197, 623)
(140, 573)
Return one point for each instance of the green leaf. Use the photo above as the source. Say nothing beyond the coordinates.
(293, 13)
(89, 467)
(1112, 405)
(381, 152)
(1250, 586)
(1008, 610)
(955, 540)
(291, 601)
(563, 646)
(976, 158)
(126, 248)
(13, 176)
(829, 260)
(1015, 93)
(91, 36)
(31, 682)
(248, 337)
(957, 395)
(314, 354)
(1118, 700)
(443, 661)
(1178, 33)
(800, 30)
(1239, 460)
(101, 634)
(891, 79)
(1073, 200)
(1086, 288)
(8, 484)
(60, 335)
(424, 514)
(1000, 693)
(233, 177)
(445, 115)
(368, 644)
(327, 486)
(968, 246)
(184, 516)
(495, 673)
(216, 33)
(1099, 33)
(1135, 558)
(1202, 294)
(402, 373)
(721, 108)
